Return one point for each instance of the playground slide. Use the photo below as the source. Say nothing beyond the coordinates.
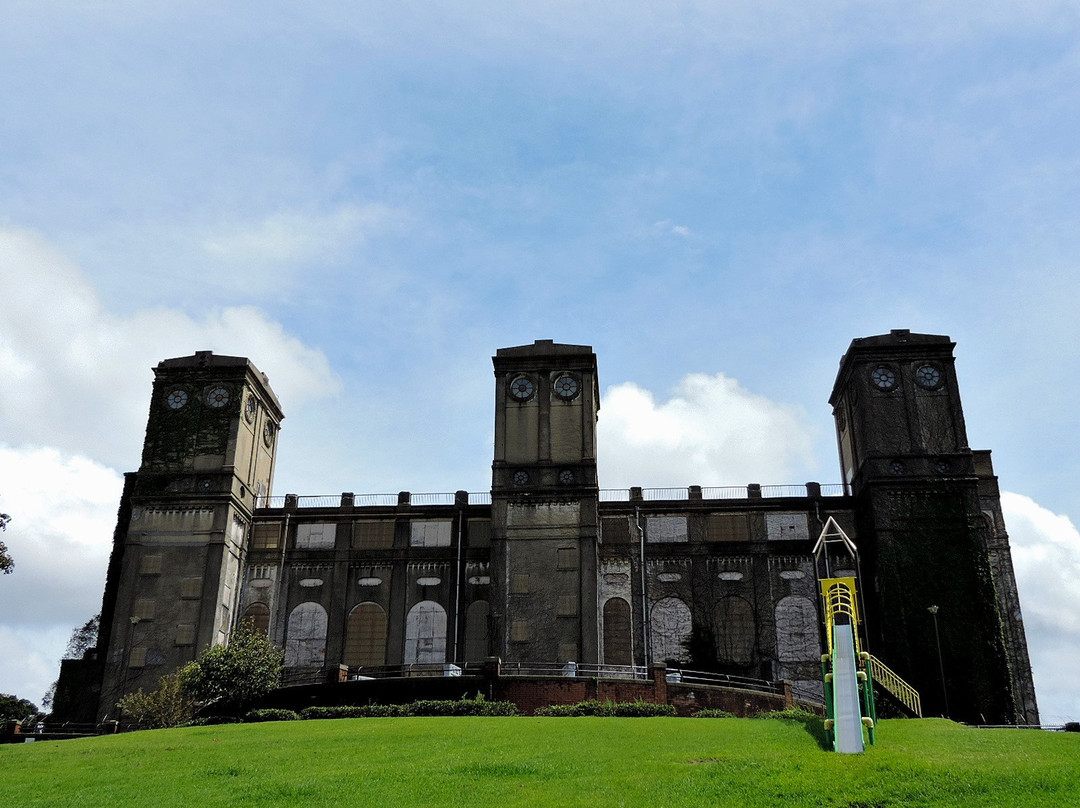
(848, 726)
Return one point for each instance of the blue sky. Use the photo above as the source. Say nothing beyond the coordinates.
(370, 199)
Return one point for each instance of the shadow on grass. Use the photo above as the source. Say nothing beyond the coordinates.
(813, 724)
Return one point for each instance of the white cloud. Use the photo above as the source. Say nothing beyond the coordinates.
(63, 510)
(289, 239)
(77, 376)
(710, 432)
(1046, 557)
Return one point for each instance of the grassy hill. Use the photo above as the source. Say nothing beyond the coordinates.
(539, 762)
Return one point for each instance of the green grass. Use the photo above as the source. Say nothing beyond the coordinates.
(540, 762)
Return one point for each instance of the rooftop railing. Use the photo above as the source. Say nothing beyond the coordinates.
(694, 492)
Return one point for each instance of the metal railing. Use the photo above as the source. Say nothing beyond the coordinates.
(681, 676)
(891, 681)
(605, 495)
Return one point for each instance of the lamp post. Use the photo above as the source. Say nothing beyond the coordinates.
(941, 665)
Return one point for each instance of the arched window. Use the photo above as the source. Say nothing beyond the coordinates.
(476, 631)
(733, 618)
(797, 637)
(365, 635)
(305, 637)
(425, 633)
(259, 616)
(670, 625)
(618, 649)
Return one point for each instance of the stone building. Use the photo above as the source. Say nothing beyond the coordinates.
(548, 567)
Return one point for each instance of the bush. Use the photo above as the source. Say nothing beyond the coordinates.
(366, 711)
(712, 713)
(428, 707)
(270, 714)
(643, 709)
(463, 706)
(167, 705)
(791, 714)
(211, 720)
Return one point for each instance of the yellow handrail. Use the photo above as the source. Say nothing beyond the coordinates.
(889, 680)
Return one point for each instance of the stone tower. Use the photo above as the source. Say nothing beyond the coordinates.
(179, 547)
(544, 522)
(928, 510)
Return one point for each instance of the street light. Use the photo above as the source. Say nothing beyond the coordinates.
(941, 665)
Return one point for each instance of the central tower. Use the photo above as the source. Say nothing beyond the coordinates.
(544, 502)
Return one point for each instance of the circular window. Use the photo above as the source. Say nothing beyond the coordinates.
(928, 377)
(883, 378)
(521, 477)
(176, 399)
(250, 407)
(268, 433)
(896, 467)
(217, 397)
(566, 387)
(522, 388)
(566, 477)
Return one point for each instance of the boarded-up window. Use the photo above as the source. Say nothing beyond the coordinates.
(191, 588)
(797, 638)
(259, 615)
(787, 526)
(144, 608)
(665, 529)
(476, 631)
(185, 634)
(373, 535)
(670, 624)
(616, 530)
(429, 533)
(568, 652)
(519, 583)
(318, 536)
(305, 637)
(137, 658)
(265, 536)
(727, 527)
(425, 633)
(520, 631)
(568, 558)
(479, 532)
(733, 619)
(150, 565)
(617, 645)
(567, 606)
(365, 636)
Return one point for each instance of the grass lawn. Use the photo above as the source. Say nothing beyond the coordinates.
(540, 762)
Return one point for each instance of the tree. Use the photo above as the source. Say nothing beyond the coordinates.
(236, 674)
(83, 638)
(6, 562)
(165, 706)
(12, 708)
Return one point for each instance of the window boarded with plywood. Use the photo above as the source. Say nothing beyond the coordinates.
(265, 536)
(617, 644)
(371, 535)
(721, 527)
(616, 530)
(365, 636)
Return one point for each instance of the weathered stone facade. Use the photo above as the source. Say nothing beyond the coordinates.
(549, 568)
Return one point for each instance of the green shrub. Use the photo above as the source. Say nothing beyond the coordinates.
(212, 720)
(427, 707)
(712, 713)
(582, 708)
(365, 711)
(270, 714)
(791, 714)
(643, 709)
